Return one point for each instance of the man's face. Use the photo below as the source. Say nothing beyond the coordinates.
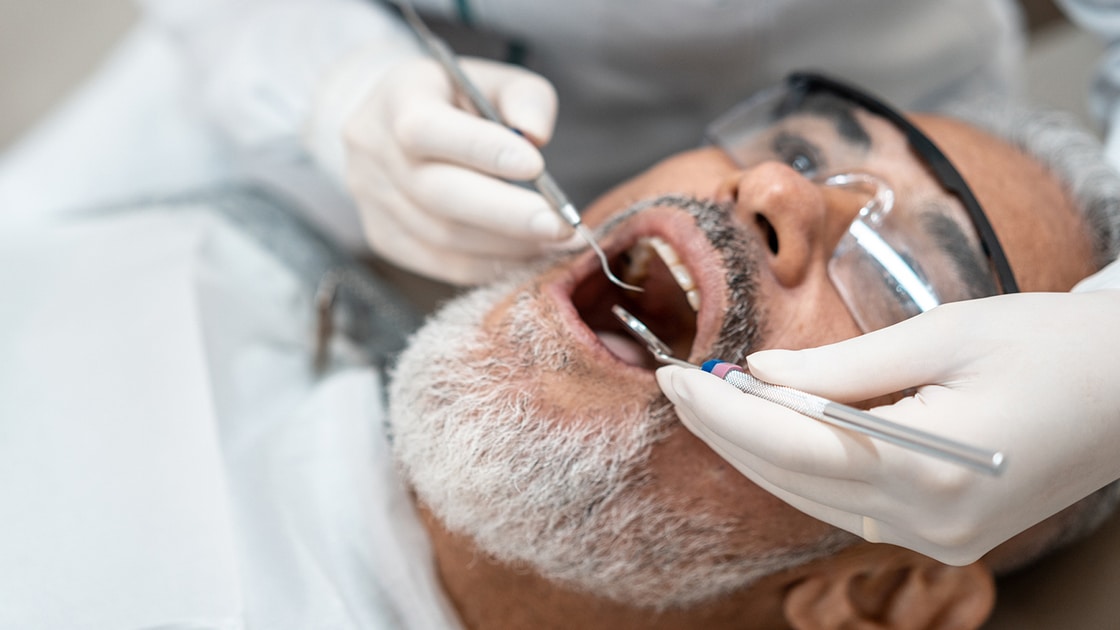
(526, 419)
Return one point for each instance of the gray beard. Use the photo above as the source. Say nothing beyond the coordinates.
(553, 490)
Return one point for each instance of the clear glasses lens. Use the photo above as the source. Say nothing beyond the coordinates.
(871, 266)
(736, 131)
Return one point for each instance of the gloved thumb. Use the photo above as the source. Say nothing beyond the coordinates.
(919, 351)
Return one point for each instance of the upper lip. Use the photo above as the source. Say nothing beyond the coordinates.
(679, 229)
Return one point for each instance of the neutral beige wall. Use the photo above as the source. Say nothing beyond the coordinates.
(45, 47)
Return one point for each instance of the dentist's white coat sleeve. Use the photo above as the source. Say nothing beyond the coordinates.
(1102, 17)
(281, 75)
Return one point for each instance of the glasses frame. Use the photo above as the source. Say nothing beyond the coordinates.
(802, 84)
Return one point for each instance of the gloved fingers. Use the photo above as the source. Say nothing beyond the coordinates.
(921, 350)
(442, 132)
(853, 506)
(840, 493)
(923, 479)
(526, 100)
(478, 200)
(393, 207)
(780, 436)
(428, 121)
(898, 498)
(870, 474)
(750, 426)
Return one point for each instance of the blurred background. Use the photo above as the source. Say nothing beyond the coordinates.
(48, 46)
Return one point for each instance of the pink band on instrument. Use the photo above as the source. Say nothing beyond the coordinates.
(722, 369)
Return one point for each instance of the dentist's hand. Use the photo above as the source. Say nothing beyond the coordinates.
(1033, 375)
(429, 175)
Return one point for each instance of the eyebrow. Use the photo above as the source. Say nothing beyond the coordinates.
(950, 238)
(839, 111)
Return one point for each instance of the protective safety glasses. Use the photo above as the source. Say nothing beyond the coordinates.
(888, 266)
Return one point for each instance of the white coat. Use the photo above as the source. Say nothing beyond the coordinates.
(168, 458)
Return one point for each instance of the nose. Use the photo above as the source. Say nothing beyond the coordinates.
(799, 220)
(787, 212)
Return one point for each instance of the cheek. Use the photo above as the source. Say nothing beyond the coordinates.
(806, 316)
(1048, 253)
(693, 477)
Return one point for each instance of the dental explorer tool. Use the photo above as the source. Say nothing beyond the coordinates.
(545, 184)
(818, 408)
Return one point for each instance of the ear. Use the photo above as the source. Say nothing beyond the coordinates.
(876, 587)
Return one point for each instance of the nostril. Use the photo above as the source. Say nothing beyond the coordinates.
(768, 231)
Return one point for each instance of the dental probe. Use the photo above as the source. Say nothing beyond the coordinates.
(545, 184)
(836, 414)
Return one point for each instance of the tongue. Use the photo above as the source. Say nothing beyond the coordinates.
(624, 348)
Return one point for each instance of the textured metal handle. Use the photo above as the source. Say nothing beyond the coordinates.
(843, 416)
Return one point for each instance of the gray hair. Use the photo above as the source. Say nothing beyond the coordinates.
(1059, 142)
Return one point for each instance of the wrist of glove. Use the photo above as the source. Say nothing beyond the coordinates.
(433, 181)
(1030, 374)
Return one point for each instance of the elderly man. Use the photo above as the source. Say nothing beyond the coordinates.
(167, 438)
(555, 483)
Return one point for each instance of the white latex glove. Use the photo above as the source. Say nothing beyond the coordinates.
(1033, 375)
(428, 174)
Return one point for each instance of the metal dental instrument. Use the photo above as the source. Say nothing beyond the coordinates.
(545, 185)
(836, 414)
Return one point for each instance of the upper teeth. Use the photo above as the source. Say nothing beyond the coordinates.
(639, 266)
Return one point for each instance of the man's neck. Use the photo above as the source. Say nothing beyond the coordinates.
(488, 594)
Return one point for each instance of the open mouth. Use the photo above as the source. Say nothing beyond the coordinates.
(672, 303)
